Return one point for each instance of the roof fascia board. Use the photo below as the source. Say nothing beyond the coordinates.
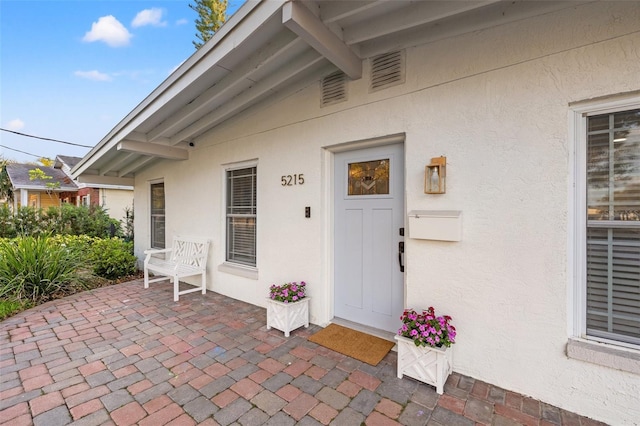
(307, 26)
(154, 150)
(242, 24)
(46, 189)
(106, 180)
(113, 187)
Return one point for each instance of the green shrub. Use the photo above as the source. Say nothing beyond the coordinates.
(10, 307)
(113, 258)
(65, 220)
(37, 269)
(27, 221)
(128, 224)
(7, 226)
(80, 244)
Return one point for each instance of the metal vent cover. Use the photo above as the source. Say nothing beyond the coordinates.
(387, 70)
(334, 88)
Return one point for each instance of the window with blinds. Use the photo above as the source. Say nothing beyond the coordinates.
(613, 226)
(241, 216)
(157, 216)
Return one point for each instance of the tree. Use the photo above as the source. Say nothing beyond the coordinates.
(6, 189)
(211, 16)
(45, 161)
(38, 174)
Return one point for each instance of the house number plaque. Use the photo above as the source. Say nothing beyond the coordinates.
(291, 180)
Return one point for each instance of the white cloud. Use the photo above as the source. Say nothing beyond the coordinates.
(15, 125)
(182, 21)
(146, 17)
(93, 75)
(109, 30)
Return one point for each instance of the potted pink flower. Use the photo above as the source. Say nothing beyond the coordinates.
(427, 329)
(288, 307)
(289, 292)
(424, 347)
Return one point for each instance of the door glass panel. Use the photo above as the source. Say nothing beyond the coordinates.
(368, 177)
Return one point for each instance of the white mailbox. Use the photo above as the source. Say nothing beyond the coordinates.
(441, 225)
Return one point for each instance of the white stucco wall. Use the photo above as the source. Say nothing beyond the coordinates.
(116, 201)
(495, 103)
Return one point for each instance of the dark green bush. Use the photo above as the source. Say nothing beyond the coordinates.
(38, 268)
(7, 226)
(64, 220)
(27, 221)
(81, 220)
(81, 244)
(113, 258)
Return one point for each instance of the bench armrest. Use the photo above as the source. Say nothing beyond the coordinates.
(157, 251)
(152, 252)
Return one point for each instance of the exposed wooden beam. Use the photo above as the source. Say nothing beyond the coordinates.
(226, 88)
(105, 180)
(419, 13)
(248, 97)
(137, 136)
(136, 165)
(115, 163)
(154, 150)
(308, 27)
(337, 10)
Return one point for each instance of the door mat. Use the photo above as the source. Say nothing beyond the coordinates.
(361, 346)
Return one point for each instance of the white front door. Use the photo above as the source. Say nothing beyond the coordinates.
(368, 215)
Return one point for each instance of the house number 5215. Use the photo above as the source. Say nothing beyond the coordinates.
(290, 180)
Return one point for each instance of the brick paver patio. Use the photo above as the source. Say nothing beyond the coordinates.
(124, 355)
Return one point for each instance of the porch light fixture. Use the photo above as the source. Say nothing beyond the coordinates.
(435, 175)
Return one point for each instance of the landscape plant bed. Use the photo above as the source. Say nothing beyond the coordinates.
(37, 269)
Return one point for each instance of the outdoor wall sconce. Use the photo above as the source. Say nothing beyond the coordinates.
(435, 175)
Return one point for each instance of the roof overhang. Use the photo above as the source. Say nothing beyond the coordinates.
(45, 188)
(273, 47)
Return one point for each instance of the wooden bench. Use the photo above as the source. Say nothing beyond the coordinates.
(187, 257)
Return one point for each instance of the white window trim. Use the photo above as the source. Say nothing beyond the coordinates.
(232, 268)
(150, 183)
(604, 352)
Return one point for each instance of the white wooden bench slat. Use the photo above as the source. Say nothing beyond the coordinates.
(187, 257)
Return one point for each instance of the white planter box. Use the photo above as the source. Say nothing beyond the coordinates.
(287, 317)
(424, 363)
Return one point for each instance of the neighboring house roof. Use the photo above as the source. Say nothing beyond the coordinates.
(268, 50)
(65, 160)
(20, 178)
(67, 163)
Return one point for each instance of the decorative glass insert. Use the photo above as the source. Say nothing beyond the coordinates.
(368, 177)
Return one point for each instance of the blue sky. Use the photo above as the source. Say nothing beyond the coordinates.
(71, 70)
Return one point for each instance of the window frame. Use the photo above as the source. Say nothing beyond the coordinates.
(234, 264)
(151, 215)
(577, 298)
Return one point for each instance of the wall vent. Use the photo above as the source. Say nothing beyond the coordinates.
(387, 70)
(334, 88)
